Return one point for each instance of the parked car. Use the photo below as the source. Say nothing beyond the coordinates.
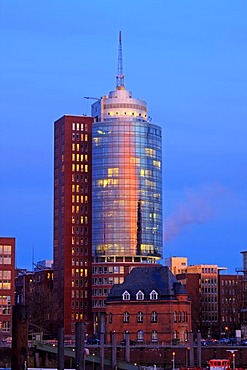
(93, 341)
(123, 343)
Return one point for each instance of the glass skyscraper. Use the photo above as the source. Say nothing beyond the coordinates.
(127, 180)
(126, 188)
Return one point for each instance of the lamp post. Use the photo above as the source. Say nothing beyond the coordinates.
(93, 361)
(233, 357)
(173, 360)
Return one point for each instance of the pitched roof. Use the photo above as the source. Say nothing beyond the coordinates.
(147, 279)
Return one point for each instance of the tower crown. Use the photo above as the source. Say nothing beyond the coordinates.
(120, 75)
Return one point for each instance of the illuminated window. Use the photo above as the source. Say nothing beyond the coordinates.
(150, 152)
(157, 163)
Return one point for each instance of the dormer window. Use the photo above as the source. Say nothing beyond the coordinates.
(153, 295)
(139, 295)
(126, 296)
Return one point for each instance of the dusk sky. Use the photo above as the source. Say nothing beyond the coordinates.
(186, 58)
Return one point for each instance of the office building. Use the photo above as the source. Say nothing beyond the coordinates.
(7, 285)
(126, 189)
(72, 220)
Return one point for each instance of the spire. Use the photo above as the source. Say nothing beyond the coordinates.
(120, 75)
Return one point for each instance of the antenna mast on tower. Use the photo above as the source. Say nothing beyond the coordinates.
(120, 75)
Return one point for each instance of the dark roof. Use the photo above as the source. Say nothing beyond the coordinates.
(147, 279)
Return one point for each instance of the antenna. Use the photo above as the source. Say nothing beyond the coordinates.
(120, 75)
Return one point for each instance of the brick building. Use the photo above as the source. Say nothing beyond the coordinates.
(34, 290)
(72, 220)
(151, 305)
(7, 285)
(231, 302)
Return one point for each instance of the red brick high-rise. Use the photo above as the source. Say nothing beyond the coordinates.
(7, 285)
(72, 220)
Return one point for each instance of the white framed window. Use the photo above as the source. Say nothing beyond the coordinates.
(139, 295)
(154, 316)
(140, 316)
(126, 317)
(140, 336)
(153, 295)
(126, 296)
(154, 336)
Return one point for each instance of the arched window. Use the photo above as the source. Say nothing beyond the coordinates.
(153, 295)
(140, 316)
(154, 316)
(139, 295)
(126, 317)
(154, 336)
(126, 296)
(175, 316)
(183, 316)
(140, 336)
(186, 336)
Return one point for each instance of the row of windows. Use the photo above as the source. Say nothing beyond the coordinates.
(79, 167)
(79, 283)
(5, 275)
(108, 270)
(78, 209)
(79, 272)
(80, 251)
(209, 281)
(5, 249)
(209, 270)
(180, 316)
(79, 178)
(209, 290)
(79, 294)
(4, 326)
(79, 137)
(228, 282)
(125, 114)
(79, 157)
(108, 280)
(140, 295)
(77, 189)
(141, 336)
(5, 302)
(79, 126)
(81, 304)
(79, 262)
(5, 284)
(125, 105)
(5, 259)
(208, 317)
(101, 292)
(79, 147)
(79, 230)
(210, 299)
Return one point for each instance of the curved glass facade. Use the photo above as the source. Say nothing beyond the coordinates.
(127, 188)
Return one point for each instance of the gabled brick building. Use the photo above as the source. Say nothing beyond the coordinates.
(151, 305)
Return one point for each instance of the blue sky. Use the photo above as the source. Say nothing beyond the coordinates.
(187, 59)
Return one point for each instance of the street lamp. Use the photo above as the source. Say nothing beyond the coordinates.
(93, 360)
(233, 357)
(173, 360)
